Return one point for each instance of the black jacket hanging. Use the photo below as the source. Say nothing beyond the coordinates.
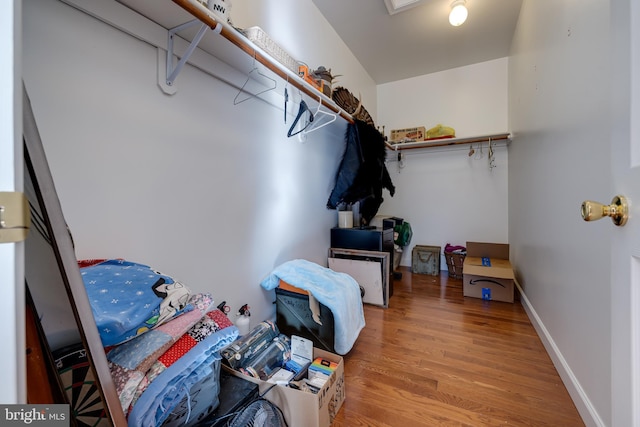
(362, 173)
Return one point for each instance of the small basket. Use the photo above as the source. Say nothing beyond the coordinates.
(455, 261)
(260, 38)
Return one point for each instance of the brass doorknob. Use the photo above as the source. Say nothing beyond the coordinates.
(618, 210)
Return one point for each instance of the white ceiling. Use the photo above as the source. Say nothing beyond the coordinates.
(420, 40)
(412, 42)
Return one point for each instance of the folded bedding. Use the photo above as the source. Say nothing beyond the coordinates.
(193, 357)
(211, 323)
(337, 291)
(128, 299)
(130, 361)
(161, 340)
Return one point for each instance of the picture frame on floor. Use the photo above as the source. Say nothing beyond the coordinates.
(369, 268)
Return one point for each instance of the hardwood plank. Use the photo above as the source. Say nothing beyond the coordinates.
(436, 358)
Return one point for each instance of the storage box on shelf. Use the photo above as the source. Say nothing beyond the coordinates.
(408, 134)
(487, 272)
(262, 39)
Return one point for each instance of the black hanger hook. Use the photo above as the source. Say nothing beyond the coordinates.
(301, 110)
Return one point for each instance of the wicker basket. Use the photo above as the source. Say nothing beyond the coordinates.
(454, 264)
(260, 38)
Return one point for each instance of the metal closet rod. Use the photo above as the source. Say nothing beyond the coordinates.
(206, 16)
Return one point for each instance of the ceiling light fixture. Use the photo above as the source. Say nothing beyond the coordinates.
(458, 13)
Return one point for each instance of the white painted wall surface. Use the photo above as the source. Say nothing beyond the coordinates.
(210, 193)
(559, 104)
(300, 28)
(446, 195)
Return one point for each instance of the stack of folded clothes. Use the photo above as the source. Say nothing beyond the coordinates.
(161, 340)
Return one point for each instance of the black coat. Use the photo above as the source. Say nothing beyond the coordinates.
(362, 173)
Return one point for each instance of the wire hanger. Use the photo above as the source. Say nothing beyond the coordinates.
(253, 95)
(303, 108)
(320, 112)
(492, 159)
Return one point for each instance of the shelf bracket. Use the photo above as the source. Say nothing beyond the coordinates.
(171, 71)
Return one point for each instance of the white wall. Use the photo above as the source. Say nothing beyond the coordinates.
(308, 37)
(210, 193)
(446, 195)
(559, 80)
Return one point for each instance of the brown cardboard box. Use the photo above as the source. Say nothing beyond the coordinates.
(487, 272)
(408, 134)
(301, 408)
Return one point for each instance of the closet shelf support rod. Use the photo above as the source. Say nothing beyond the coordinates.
(172, 73)
(232, 35)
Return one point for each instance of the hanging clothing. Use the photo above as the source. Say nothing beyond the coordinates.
(362, 173)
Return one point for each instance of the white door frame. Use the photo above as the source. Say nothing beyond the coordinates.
(12, 312)
(625, 241)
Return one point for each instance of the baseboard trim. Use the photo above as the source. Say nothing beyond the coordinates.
(587, 411)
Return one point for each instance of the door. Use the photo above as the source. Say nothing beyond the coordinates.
(11, 254)
(625, 240)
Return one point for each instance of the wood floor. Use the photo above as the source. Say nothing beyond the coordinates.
(435, 358)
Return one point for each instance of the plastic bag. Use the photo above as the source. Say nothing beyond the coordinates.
(404, 234)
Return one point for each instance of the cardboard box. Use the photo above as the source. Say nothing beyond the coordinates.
(408, 134)
(301, 408)
(487, 272)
